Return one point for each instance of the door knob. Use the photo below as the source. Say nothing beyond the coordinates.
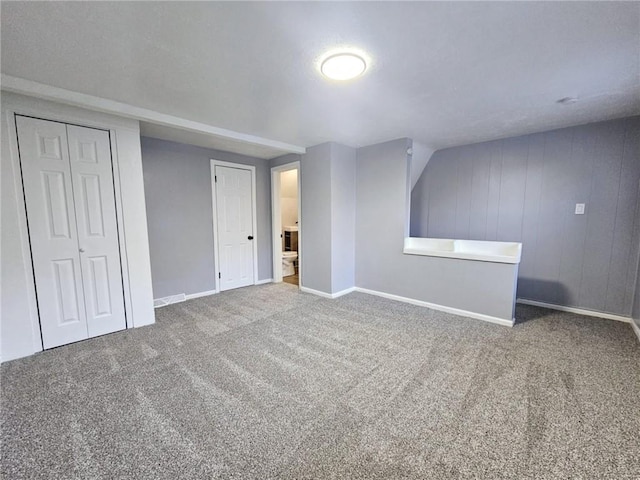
(82, 250)
(250, 237)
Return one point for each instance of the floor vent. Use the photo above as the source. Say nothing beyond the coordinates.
(163, 302)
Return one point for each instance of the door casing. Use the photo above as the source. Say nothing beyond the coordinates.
(276, 220)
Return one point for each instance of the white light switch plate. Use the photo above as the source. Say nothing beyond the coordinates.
(579, 208)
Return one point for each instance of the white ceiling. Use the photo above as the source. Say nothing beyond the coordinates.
(443, 74)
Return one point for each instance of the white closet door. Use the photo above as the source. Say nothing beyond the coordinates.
(68, 186)
(92, 177)
(51, 217)
(235, 226)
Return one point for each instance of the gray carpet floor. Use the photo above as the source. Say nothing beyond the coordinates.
(266, 382)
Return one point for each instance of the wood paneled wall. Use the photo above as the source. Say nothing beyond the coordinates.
(525, 189)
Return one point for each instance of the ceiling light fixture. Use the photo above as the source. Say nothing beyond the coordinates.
(343, 66)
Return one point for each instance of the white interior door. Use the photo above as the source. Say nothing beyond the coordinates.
(234, 209)
(92, 178)
(46, 173)
(78, 285)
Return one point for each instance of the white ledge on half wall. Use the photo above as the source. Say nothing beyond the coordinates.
(484, 251)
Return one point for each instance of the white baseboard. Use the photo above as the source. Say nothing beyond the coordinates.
(580, 311)
(635, 329)
(200, 294)
(261, 282)
(341, 293)
(441, 308)
(328, 295)
(180, 297)
(315, 292)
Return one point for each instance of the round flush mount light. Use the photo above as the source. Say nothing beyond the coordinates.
(343, 66)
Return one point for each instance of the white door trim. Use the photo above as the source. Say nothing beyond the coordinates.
(124, 261)
(276, 220)
(254, 220)
(34, 317)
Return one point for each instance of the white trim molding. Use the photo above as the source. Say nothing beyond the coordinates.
(327, 295)
(200, 294)
(48, 92)
(636, 329)
(179, 298)
(441, 308)
(579, 311)
(266, 280)
(412, 301)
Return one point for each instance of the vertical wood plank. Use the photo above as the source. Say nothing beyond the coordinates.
(512, 187)
(463, 188)
(419, 222)
(479, 192)
(493, 199)
(618, 288)
(578, 189)
(552, 207)
(601, 215)
(527, 287)
(443, 195)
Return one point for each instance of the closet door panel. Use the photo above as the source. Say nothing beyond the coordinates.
(92, 177)
(48, 191)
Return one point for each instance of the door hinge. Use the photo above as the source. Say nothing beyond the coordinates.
(219, 275)
(215, 178)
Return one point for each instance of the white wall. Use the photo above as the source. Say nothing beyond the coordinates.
(289, 197)
(19, 327)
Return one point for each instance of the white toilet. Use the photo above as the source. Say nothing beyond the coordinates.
(288, 259)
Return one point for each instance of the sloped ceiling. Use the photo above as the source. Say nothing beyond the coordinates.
(444, 74)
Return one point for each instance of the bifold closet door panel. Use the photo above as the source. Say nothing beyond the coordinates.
(92, 177)
(46, 175)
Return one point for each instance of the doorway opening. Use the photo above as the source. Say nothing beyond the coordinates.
(286, 223)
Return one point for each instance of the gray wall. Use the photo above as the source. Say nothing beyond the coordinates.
(343, 217)
(382, 182)
(315, 193)
(525, 189)
(636, 301)
(635, 310)
(328, 200)
(177, 180)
